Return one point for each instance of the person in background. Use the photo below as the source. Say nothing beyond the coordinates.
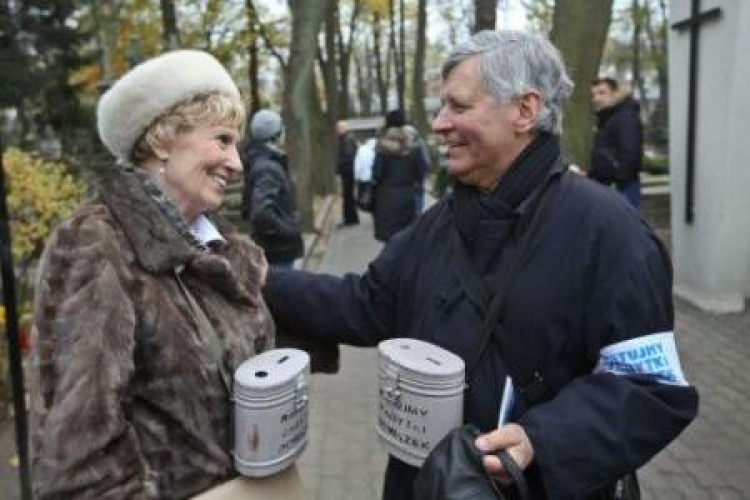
(347, 149)
(617, 154)
(396, 172)
(147, 300)
(268, 197)
(424, 164)
(585, 334)
(363, 173)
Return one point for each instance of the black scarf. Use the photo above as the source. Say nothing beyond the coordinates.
(527, 172)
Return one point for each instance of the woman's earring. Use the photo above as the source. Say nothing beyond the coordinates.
(161, 170)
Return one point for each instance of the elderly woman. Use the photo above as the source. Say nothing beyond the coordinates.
(146, 301)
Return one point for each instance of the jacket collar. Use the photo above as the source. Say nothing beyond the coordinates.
(158, 245)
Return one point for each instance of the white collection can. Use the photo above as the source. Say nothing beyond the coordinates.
(270, 411)
(420, 388)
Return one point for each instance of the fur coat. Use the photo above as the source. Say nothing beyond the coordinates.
(127, 398)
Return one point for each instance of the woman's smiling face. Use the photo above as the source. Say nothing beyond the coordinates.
(199, 165)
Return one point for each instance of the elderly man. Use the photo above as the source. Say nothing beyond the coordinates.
(579, 299)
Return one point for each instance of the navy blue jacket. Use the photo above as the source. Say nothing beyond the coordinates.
(596, 275)
(269, 204)
(617, 154)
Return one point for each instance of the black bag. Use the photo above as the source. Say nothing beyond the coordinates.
(454, 471)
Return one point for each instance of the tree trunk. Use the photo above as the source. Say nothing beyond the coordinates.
(364, 72)
(419, 115)
(637, 81)
(106, 19)
(170, 35)
(380, 77)
(485, 13)
(328, 65)
(401, 60)
(252, 67)
(345, 57)
(394, 52)
(582, 51)
(299, 97)
(322, 161)
(657, 132)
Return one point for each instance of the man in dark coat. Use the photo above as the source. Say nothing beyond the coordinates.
(617, 155)
(587, 339)
(268, 197)
(347, 150)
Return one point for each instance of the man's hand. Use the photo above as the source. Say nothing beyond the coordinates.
(511, 438)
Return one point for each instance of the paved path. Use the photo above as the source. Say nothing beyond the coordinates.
(710, 460)
(344, 460)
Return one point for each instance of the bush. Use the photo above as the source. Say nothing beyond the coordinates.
(656, 164)
(40, 195)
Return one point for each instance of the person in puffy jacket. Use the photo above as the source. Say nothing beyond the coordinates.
(617, 154)
(268, 198)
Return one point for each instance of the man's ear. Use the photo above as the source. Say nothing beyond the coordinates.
(529, 107)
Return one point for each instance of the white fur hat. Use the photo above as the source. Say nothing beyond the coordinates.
(144, 93)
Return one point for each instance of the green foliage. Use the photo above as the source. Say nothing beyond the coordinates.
(539, 14)
(656, 164)
(40, 195)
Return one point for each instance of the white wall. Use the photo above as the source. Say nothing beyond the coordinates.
(712, 256)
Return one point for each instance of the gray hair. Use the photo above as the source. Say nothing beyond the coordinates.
(514, 62)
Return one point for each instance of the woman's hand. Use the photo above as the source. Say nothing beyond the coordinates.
(511, 438)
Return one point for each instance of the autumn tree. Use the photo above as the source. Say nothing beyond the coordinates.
(41, 194)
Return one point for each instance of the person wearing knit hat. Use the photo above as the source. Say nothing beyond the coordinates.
(266, 126)
(268, 200)
(148, 300)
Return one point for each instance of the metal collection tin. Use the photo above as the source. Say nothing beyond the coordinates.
(420, 387)
(270, 411)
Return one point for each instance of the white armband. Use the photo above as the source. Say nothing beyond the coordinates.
(652, 355)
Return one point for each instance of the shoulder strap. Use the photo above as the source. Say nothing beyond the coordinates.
(491, 303)
(207, 332)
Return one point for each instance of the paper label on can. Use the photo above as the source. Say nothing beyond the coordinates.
(266, 434)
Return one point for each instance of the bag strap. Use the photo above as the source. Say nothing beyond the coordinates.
(491, 304)
(207, 333)
(515, 472)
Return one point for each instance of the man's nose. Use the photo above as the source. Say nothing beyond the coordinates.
(441, 122)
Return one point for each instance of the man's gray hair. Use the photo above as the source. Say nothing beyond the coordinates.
(514, 62)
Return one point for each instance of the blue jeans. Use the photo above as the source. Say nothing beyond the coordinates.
(632, 193)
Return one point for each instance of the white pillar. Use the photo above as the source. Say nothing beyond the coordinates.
(712, 255)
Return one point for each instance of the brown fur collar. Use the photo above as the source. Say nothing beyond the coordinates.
(157, 245)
